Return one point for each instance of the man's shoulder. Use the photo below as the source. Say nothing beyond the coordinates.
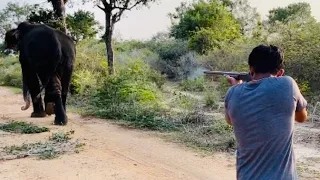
(233, 89)
(288, 79)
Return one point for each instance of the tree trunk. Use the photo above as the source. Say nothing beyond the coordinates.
(59, 10)
(108, 42)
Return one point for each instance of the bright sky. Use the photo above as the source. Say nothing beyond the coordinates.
(143, 23)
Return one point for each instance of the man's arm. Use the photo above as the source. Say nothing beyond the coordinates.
(232, 82)
(301, 113)
(229, 121)
(301, 116)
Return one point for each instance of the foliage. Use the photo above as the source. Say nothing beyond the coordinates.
(196, 85)
(300, 43)
(212, 98)
(129, 45)
(22, 127)
(113, 11)
(247, 16)
(45, 16)
(284, 14)
(81, 25)
(59, 143)
(90, 67)
(202, 19)
(131, 95)
(10, 71)
(217, 135)
(12, 13)
(174, 58)
(231, 56)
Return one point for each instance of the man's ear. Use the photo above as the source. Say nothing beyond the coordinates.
(280, 72)
(251, 71)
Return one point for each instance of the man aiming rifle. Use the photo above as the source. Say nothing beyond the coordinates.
(262, 112)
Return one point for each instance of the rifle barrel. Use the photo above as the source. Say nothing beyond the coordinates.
(224, 72)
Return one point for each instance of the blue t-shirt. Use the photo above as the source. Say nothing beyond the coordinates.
(262, 115)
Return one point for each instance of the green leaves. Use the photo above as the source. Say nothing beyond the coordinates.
(294, 10)
(82, 25)
(205, 25)
(13, 13)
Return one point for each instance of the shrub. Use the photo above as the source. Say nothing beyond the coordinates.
(174, 59)
(230, 56)
(131, 95)
(196, 85)
(83, 81)
(10, 72)
(212, 98)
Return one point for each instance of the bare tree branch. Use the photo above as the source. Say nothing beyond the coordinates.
(103, 9)
(105, 3)
(112, 3)
(125, 6)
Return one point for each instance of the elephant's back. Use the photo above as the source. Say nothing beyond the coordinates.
(41, 46)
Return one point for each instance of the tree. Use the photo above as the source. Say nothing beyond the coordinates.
(247, 16)
(82, 25)
(203, 18)
(302, 10)
(13, 13)
(113, 10)
(60, 12)
(45, 16)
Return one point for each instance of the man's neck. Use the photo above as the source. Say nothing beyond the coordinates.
(261, 76)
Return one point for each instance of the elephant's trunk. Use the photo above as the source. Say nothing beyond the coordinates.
(26, 97)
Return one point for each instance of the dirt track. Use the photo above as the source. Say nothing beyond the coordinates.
(111, 152)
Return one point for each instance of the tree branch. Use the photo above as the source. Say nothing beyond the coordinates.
(105, 3)
(125, 7)
(103, 9)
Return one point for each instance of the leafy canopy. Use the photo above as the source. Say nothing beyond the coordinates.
(81, 24)
(302, 10)
(13, 13)
(207, 22)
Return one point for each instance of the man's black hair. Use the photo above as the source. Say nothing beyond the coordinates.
(266, 59)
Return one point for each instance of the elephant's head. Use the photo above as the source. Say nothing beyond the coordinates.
(11, 39)
(13, 36)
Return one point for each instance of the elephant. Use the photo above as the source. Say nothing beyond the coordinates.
(47, 57)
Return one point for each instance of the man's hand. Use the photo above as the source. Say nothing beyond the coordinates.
(232, 81)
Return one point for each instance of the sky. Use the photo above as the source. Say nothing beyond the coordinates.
(146, 22)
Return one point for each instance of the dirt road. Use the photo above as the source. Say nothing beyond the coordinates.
(110, 153)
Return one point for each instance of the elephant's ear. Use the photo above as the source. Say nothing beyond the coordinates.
(15, 34)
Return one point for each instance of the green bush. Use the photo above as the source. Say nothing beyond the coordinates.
(212, 98)
(131, 95)
(174, 59)
(10, 72)
(196, 85)
(83, 81)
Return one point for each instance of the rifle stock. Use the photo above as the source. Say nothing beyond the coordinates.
(237, 75)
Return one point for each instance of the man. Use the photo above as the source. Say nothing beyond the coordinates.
(262, 113)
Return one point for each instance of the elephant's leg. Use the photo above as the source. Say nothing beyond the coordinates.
(54, 94)
(65, 82)
(49, 103)
(34, 88)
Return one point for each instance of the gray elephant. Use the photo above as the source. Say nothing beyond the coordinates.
(47, 58)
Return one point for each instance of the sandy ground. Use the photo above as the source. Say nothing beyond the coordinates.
(113, 153)
(110, 153)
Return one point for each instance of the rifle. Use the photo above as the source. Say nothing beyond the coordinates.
(237, 75)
